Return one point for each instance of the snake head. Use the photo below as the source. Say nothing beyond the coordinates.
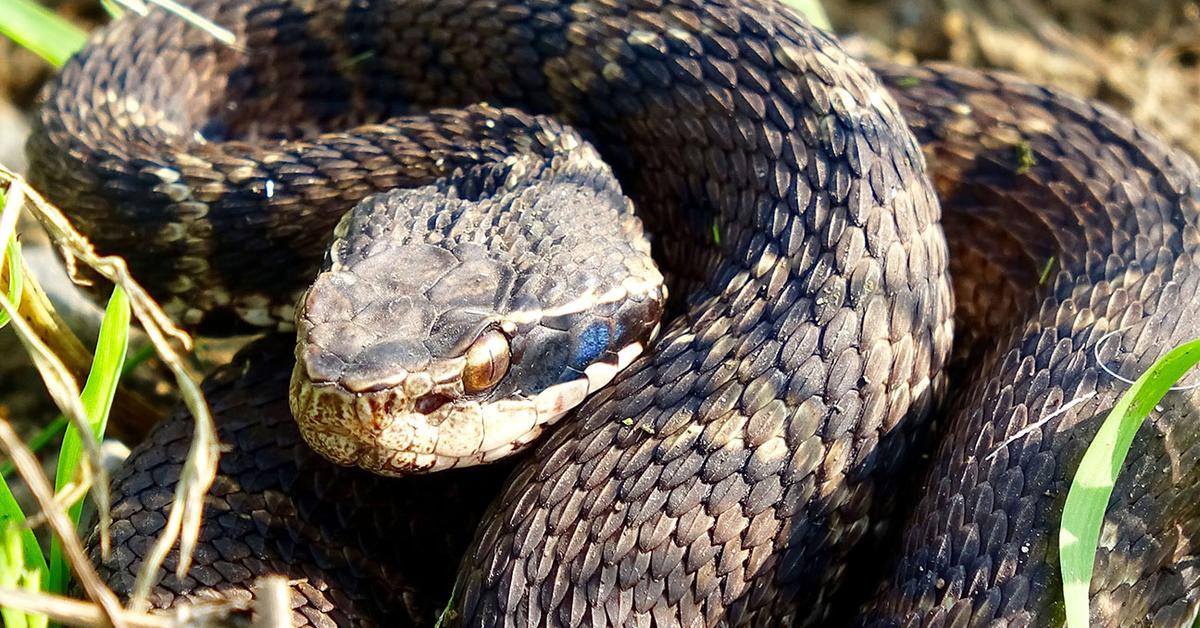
(422, 349)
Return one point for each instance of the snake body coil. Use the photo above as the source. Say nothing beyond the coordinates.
(746, 468)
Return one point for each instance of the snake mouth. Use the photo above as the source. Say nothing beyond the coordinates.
(388, 432)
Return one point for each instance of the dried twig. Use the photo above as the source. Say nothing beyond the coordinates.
(60, 383)
(8, 217)
(75, 612)
(27, 465)
(36, 309)
(272, 603)
(222, 35)
(183, 523)
(65, 391)
(136, 413)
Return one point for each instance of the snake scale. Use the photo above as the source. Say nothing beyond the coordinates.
(824, 229)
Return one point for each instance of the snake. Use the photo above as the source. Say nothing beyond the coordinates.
(762, 334)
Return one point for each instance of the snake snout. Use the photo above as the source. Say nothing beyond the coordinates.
(382, 430)
(392, 431)
(361, 369)
(367, 391)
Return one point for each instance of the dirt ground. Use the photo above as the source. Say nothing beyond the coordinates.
(1142, 56)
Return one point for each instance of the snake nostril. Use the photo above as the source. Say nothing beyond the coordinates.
(428, 404)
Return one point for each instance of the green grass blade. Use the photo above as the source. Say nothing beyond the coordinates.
(10, 510)
(1092, 486)
(97, 398)
(11, 564)
(40, 30)
(22, 564)
(15, 573)
(59, 425)
(112, 7)
(12, 567)
(12, 261)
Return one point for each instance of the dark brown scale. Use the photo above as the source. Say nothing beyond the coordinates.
(774, 424)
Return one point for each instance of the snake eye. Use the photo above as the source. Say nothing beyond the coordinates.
(487, 362)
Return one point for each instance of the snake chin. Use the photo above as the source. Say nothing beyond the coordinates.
(392, 433)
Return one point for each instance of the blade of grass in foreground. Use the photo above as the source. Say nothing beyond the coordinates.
(22, 564)
(97, 397)
(1092, 486)
(15, 573)
(12, 262)
(40, 30)
(10, 511)
(59, 424)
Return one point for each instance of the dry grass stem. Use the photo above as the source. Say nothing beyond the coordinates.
(183, 523)
(31, 472)
(76, 612)
(12, 210)
(65, 392)
(37, 310)
(132, 413)
(136, 414)
(222, 35)
(272, 603)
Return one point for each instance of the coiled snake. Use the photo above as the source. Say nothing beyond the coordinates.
(755, 465)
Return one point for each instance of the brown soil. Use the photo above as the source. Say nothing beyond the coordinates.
(1142, 56)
